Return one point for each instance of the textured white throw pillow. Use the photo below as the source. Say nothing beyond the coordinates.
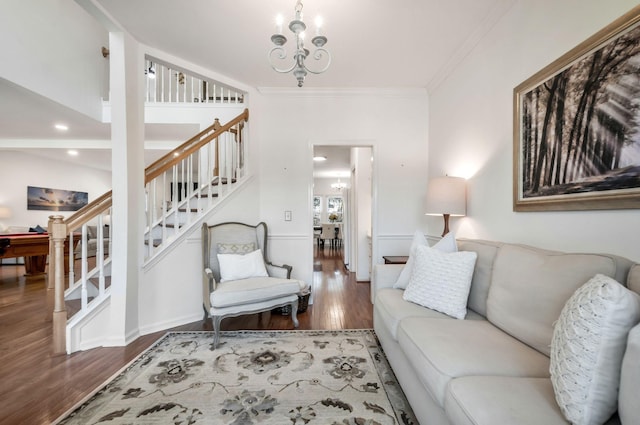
(587, 348)
(236, 266)
(446, 244)
(441, 281)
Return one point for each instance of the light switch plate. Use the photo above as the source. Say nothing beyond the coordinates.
(287, 216)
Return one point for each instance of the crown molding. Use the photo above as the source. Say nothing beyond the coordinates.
(499, 9)
(344, 91)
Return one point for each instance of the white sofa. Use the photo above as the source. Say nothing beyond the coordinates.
(493, 367)
(92, 242)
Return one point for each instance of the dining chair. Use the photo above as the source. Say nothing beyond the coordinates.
(328, 233)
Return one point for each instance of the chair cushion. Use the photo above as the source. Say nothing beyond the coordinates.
(393, 308)
(252, 290)
(491, 400)
(442, 349)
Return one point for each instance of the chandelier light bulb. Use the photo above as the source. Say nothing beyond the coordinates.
(279, 22)
(318, 24)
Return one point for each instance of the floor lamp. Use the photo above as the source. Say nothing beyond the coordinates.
(447, 196)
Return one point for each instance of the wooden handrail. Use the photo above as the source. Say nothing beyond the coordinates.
(191, 146)
(104, 202)
(59, 228)
(89, 211)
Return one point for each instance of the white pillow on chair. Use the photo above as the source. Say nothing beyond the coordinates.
(237, 266)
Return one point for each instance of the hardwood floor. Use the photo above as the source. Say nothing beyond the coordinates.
(36, 388)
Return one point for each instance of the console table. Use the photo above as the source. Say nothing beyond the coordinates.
(395, 259)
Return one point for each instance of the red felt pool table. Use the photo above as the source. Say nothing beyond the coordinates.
(34, 247)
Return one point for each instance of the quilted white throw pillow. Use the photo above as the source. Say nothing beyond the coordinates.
(587, 348)
(446, 244)
(237, 266)
(441, 281)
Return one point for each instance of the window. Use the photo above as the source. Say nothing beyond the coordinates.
(317, 210)
(335, 206)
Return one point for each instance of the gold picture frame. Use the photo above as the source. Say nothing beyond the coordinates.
(576, 141)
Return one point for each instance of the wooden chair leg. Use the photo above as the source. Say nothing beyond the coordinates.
(216, 329)
(294, 313)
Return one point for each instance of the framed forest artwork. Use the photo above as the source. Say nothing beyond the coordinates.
(577, 126)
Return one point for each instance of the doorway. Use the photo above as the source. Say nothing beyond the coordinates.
(343, 206)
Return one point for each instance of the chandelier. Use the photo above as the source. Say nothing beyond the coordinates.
(338, 185)
(297, 27)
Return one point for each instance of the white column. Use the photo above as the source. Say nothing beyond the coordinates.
(127, 157)
(363, 203)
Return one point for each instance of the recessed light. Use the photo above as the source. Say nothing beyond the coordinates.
(72, 152)
(61, 127)
(319, 158)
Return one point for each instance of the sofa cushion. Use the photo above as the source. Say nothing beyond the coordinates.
(587, 348)
(491, 400)
(446, 244)
(633, 278)
(255, 289)
(628, 406)
(92, 232)
(530, 286)
(442, 349)
(441, 281)
(393, 308)
(481, 281)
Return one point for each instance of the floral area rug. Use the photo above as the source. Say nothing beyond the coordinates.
(267, 377)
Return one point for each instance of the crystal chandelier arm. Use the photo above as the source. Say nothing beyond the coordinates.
(317, 55)
(281, 54)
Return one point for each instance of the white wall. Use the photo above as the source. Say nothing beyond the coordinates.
(471, 130)
(171, 290)
(291, 122)
(38, 41)
(20, 170)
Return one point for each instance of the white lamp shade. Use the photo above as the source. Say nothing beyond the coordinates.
(447, 195)
(5, 212)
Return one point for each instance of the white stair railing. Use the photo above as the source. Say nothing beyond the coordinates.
(73, 247)
(169, 84)
(181, 187)
(185, 184)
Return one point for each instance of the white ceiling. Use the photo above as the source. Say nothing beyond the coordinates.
(374, 44)
(338, 163)
(381, 43)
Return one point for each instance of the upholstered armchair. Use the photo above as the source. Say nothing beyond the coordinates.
(238, 277)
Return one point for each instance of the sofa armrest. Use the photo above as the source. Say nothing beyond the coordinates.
(384, 276)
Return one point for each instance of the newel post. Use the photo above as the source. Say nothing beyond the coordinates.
(57, 235)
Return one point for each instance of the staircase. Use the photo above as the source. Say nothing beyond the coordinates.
(181, 188)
